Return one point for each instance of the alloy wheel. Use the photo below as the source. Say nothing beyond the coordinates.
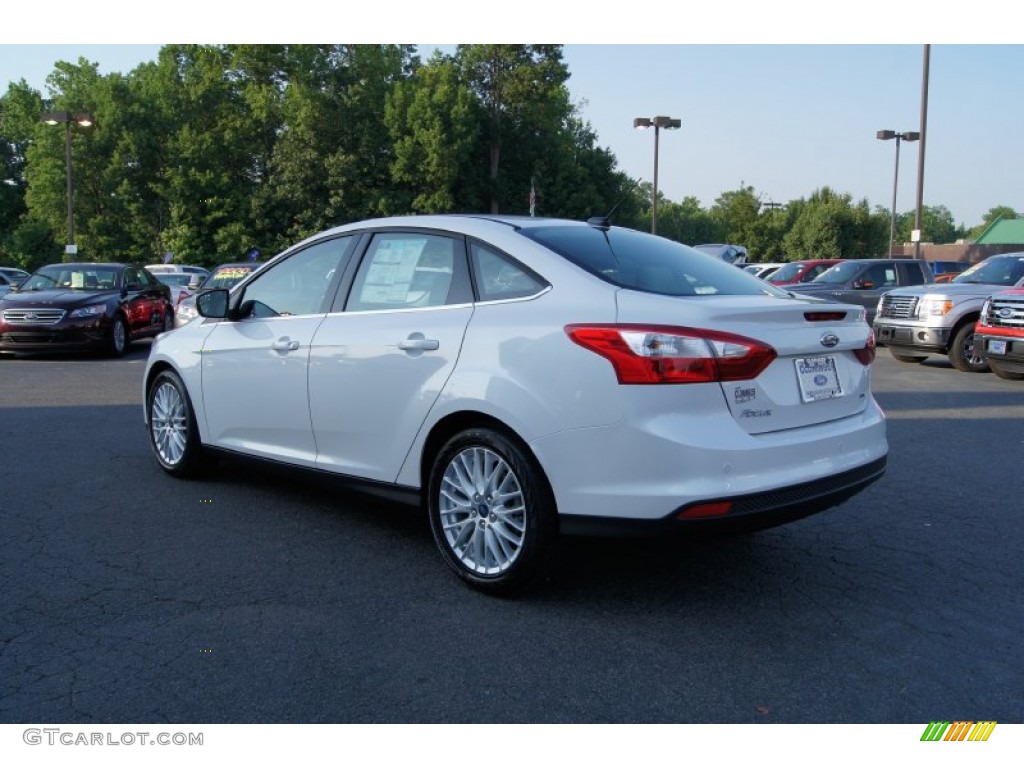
(483, 511)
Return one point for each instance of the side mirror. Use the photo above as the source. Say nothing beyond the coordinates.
(863, 285)
(213, 303)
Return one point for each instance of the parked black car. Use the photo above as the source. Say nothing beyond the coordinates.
(68, 307)
(863, 281)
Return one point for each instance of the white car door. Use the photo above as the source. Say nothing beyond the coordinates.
(377, 367)
(255, 369)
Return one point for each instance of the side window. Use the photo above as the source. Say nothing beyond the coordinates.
(147, 279)
(298, 285)
(881, 275)
(132, 281)
(499, 277)
(406, 270)
(915, 275)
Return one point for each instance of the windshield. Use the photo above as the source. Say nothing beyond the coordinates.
(84, 277)
(788, 271)
(226, 277)
(648, 263)
(995, 270)
(839, 273)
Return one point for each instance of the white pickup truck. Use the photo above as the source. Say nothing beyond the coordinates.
(939, 319)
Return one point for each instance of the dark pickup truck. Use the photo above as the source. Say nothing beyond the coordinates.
(863, 281)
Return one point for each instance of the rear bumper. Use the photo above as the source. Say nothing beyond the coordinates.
(748, 512)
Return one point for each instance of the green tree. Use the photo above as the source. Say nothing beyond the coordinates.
(20, 109)
(685, 221)
(435, 124)
(937, 225)
(736, 214)
(829, 226)
(522, 90)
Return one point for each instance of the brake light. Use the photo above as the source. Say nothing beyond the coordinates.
(867, 354)
(819, 317)
(659, 354)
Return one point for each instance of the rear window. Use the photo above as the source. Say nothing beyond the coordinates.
(647, 263)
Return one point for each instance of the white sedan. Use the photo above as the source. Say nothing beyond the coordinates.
(522, 377)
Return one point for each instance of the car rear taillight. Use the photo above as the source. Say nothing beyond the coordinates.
(660, 354)
(867, 354)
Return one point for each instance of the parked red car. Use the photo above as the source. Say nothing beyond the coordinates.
(800, 271)
(999, 333)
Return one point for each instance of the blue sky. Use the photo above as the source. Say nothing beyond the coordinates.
(773, 111)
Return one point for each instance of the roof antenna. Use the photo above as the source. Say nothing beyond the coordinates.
(605, 222)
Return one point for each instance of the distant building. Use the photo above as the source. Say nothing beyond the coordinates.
(1003, 232)
(1001, 236)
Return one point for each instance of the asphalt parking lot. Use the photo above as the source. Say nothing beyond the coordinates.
(263, 595)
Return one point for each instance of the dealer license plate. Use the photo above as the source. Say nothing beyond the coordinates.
(997, 346)
(818, 378)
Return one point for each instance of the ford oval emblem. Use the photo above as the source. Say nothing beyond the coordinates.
(829, 340)
(1004, 312)
(820, 380)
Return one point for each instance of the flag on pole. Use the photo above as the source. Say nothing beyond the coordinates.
(533, 198)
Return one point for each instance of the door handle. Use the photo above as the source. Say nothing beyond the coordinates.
(284, 344)
(417, 343)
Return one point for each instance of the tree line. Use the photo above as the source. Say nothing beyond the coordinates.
(213, 151)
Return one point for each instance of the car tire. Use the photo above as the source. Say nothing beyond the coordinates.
(173, 434)
(492, 512)
(120, 339)
(168, 321)
(1003, 373)
(962, 353)
(905, 358)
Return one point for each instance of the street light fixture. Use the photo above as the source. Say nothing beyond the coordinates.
(669, 123)
(887, 136)
(83, 119)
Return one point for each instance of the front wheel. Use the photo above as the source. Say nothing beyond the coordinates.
(119, 339)
(492, 512)
(173, 434)
(963, 354)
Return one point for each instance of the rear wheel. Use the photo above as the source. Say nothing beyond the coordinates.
(173, 434)
(905, 358)
(963, 354)
(1003, 373)
(491, 512)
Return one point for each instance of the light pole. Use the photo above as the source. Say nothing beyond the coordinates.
(886, 136)
(670, 123)
(83, 119)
